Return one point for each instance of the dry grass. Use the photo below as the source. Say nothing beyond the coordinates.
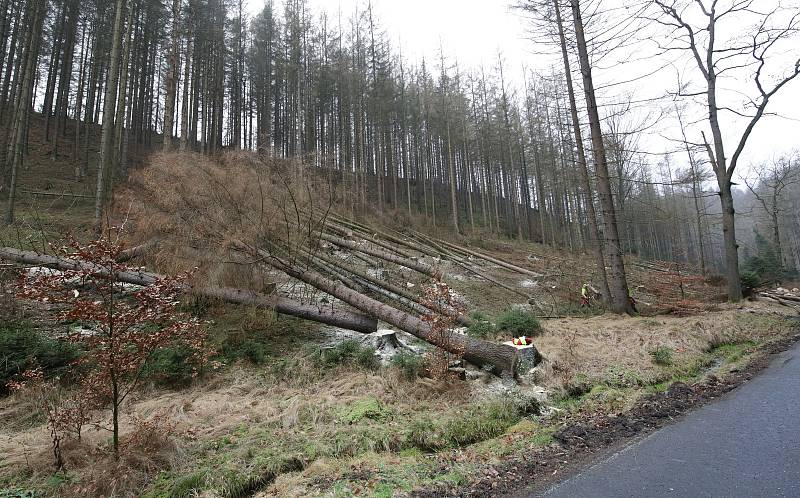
(207, 413)
(594, 346)
(197, 204)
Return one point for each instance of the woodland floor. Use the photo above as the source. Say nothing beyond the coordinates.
(357, 431)
(281, 418)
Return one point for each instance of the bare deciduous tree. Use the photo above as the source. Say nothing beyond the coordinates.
(698, 27)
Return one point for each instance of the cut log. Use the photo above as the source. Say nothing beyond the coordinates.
(498, 358)
(329, 316)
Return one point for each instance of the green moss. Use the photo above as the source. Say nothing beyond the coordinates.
(367, 408)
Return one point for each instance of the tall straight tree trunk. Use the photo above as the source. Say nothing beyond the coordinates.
(107, 139)
(452, 171)
(23, 103)
(583, 167)
(619, 283)
(172, 78)
(120, 128)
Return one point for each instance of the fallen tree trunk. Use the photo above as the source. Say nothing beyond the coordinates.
(499, 262)
(791, 302)
(498, 358)
(398, 290)
(342, 231)
(329, 316)
(405, 262)
(386, 236)
(460, 261)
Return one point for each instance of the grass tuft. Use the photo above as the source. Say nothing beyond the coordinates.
(349, 352)
(662, 355)
(476, 424)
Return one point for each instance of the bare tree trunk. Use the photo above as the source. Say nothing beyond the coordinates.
(23, 103)
(172, 78)
(106, 145)
(620, 302)
(597, 244)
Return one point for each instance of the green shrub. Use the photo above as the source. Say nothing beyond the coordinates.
(251, 350)
(409, 364)
(349, 352)
(662, 356)
(23, 348)
(750, 280)
(518, 323)
(171, 366)
(481, 326)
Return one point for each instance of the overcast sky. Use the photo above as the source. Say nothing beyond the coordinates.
(474, 31)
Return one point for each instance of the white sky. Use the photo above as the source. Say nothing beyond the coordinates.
(473, 31)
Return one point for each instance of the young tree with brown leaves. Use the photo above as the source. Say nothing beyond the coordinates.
(124, 326)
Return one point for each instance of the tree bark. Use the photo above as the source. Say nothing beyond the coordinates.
(106, 153)
(172, 78)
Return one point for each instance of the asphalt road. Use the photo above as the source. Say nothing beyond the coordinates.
(747, 444)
